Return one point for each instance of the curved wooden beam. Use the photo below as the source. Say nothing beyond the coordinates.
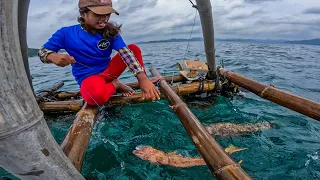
(28, 149)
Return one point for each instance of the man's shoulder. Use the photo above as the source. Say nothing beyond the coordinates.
(69, 30)
(73, 27)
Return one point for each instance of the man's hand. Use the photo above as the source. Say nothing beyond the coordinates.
(61, 59)
(149, 91)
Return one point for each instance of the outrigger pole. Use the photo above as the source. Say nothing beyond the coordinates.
(219, 163)
(27, 147)
(77, 139)
(205, 11)
(285, 99)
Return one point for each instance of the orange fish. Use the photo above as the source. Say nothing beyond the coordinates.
(156, 156)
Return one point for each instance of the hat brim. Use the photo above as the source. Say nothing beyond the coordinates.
(101, 10)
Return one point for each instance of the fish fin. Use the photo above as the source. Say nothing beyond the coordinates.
(231, 149)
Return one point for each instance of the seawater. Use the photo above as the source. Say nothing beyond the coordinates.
(288, 151)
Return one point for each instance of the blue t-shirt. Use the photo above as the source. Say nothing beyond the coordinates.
(91, 51)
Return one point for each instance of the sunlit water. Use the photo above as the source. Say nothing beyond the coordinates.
(288, 151)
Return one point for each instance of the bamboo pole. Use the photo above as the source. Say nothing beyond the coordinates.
(47, 92)
(290, 101)
(220, 164)
(181, 90)
(68, 95)
(27, 148)
(173, 79)
(76, 141)
(75, 105)
(205, 11)
(135, 85)
(61, 106)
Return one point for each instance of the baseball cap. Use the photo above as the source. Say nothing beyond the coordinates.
(98, 6)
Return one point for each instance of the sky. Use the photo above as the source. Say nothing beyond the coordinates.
(145, 20)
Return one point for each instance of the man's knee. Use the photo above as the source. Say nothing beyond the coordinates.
(93, 95)
(94, 98)
(134, 48)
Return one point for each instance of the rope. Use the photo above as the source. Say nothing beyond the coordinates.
(222, 63)
(158, 81)
(41, 98)
(194, 21)
(171, 83)
(100, 108)
(107, 75)
(193, 5)
(201, 86)
(216, 85)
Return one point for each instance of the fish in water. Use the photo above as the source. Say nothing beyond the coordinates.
(232, 129)
(156, 156)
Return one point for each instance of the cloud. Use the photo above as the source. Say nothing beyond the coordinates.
(313, 10)
(131, 6)
(246, 14)
(259, 1)
(146, 20)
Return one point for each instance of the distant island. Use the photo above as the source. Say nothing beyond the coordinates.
(201, 39)
(307, 42)
(171, 40)
(32, 52)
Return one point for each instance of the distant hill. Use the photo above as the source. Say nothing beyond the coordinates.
(172, 40)
(309, 42)
(231, 40)
(253, 40)
(272, 41)
(32, 52)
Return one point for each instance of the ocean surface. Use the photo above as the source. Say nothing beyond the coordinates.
(290, 150)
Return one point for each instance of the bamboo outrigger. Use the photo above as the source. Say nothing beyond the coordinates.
(290, 101)
(135, 85)
(220, 164)
(75, 105)
(77, 139)
(22, 121)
